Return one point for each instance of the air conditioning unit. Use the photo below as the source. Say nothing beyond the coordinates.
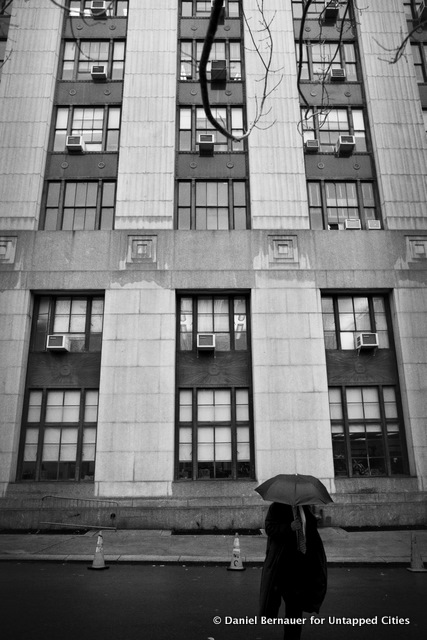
(366, 340)
(206, 341)
(374, 224)
(345, 145)
(311, 146)
(331, 11)
(352, 223)
(422, 11)
(206, 143)
(333, 226)
(75, 144)
(98, 72)
(337, 75)
(57, 342)
(218, 70)
(98, 8)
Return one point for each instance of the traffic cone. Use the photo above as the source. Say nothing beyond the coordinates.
(98, 559)
(417, 564)
(236, 561)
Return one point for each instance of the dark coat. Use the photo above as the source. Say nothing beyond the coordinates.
(286, 570)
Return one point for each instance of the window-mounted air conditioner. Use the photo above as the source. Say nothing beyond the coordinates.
(374, 224)
(422, 11)
(337, 75)
(98, 8)
(345, 145)
(206, 341)
(311, 146)
(98, 72)
(57, 342)
(206, 143)
(331, 10)
(218, 70)
(366, 340)
(75, 144)
(352, 223)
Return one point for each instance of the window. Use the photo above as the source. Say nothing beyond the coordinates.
(212, 205)
(99, 127)
(82, 7)
(59, 435)
(214, 435)
(346, 315)
(80, 55)
(419, 55)
(320, 57)
(193, 122)
(80, 318)
(326, 125)
(3, 44)
(331, 203)
(228, 50)
(79, 205)
(366, 431)
(225, 316)
(314, 10)
(202, 9)
(6, 7)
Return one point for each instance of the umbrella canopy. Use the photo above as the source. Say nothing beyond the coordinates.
(294, 489)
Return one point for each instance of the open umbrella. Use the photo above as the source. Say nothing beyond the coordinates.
(294, 489)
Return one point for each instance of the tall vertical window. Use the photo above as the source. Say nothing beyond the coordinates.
(59, 434)
(366, 431)
(214, 436)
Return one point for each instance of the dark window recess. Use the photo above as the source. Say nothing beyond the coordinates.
(79, 205)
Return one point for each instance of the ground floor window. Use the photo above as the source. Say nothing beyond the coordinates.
(214, 434)
(367, 429)
(59, 434)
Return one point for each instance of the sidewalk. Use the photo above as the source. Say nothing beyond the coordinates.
(149, 546)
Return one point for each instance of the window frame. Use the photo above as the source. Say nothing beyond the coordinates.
(364, 205)
(44, 321)
(113, 6)
(42, 425)
(342, 59)
(313, 122)
(343, 427)
(112, 59)
(191, 209)
(194, 130)
(193, 54)
(195, 13)
(377, 318)
(69, 129)
(53, 202)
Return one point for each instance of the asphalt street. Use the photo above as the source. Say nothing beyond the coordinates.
(51, 601)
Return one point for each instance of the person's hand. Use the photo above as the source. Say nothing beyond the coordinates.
(296, 525)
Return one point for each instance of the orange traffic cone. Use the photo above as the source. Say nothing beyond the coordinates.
(236, 561)
(417, 563)
(98, 559)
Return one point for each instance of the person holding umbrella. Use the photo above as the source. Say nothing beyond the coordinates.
(295, 565)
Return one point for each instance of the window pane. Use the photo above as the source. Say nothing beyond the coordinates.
(34, 406)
